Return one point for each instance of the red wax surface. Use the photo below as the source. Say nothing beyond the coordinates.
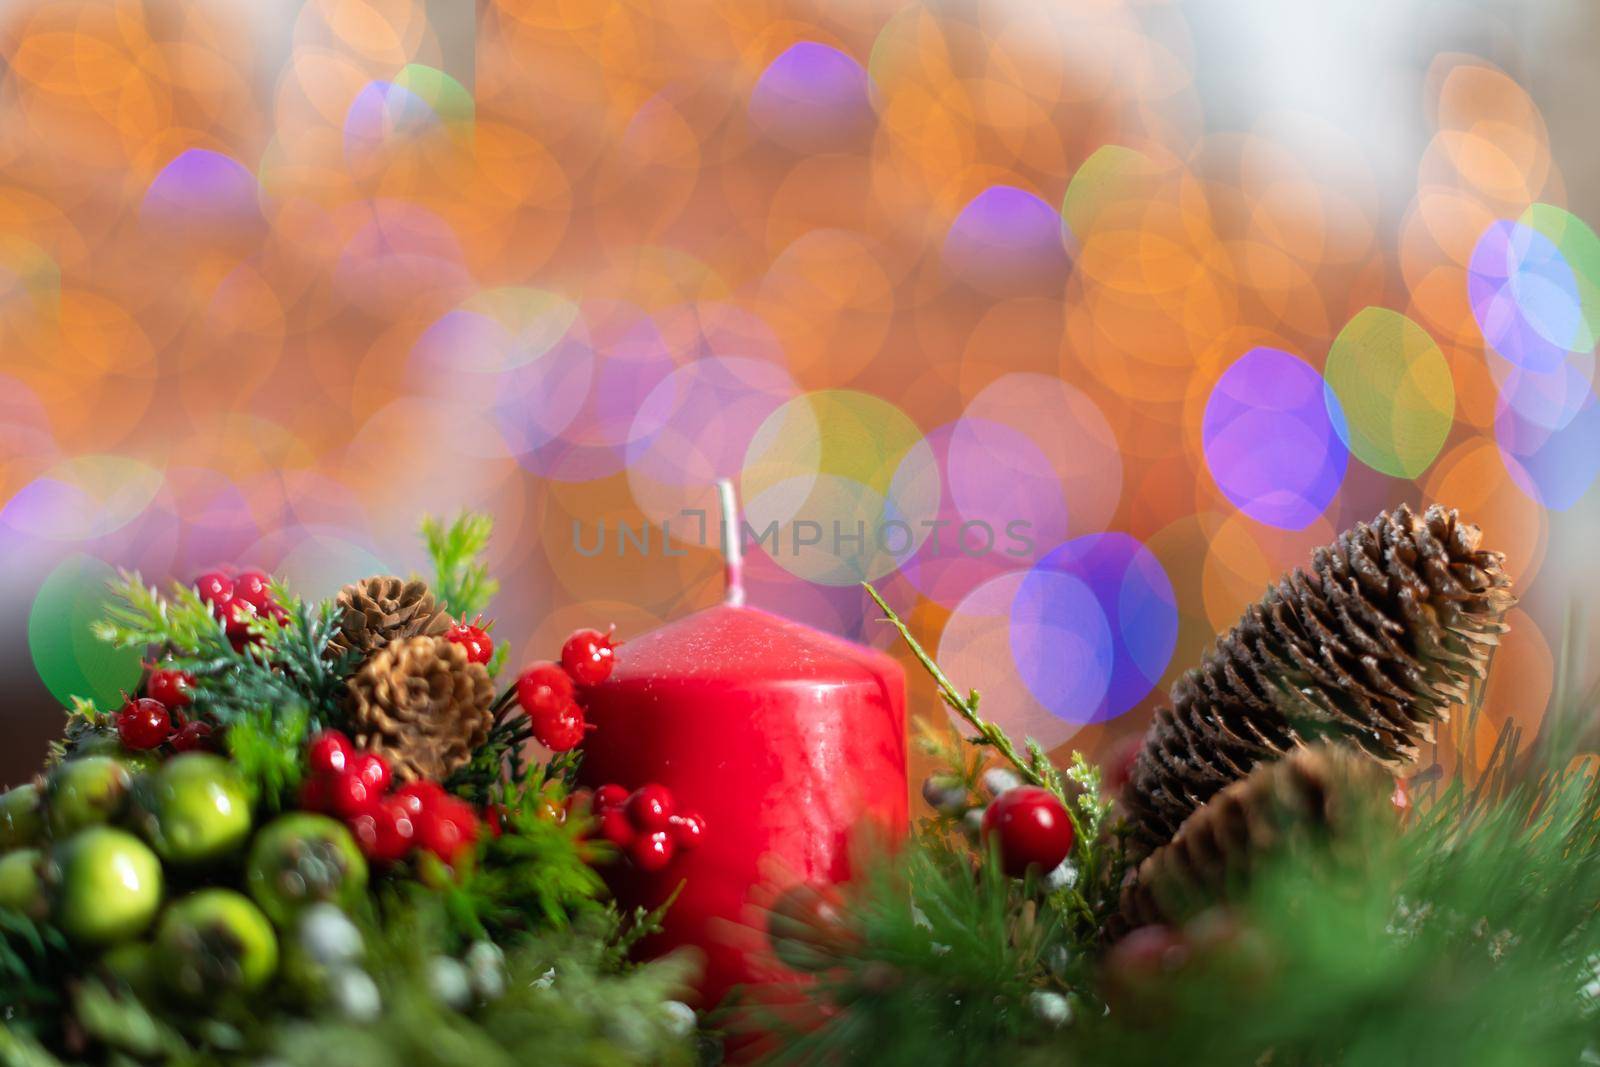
(789, 741)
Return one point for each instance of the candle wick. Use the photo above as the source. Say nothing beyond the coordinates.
(732, 549)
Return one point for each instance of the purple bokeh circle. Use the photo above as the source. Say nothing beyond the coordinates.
(1270, 439)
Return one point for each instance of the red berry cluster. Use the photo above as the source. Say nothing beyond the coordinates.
(153, 720)
(238, 598)
(646, 824)
(548, 692)
(474, 637)
(389, 826)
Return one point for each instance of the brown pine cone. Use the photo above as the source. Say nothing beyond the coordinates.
(1311, 791)
(1389, 628)
(383, 608)
(422, 705)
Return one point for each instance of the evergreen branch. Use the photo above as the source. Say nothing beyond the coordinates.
(461, 579)
(300, 648)
(181, 622)
(536, 874)
(266, 745)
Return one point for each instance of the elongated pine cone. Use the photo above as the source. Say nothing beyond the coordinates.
(1389, 628)
(1312, 791)
(383, 608)
(422, 705)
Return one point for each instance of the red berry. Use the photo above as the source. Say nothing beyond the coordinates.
(254, 588)
(448, 829)
(215, 588)
(1032, 828)
(316, 794)
(615, 827)
(559, 730)
(474, 638)
(364, 828)
(237, 615)
(329, 753)
(421, 796)
(385, 832)
(144, 724)
(610, 796)
(687, 830)
(494, 817)
(587, 656)
(651, 807)
(170, 686)
(194, 736)
(372, 769)
(651, 852)
(544, 687)
(350, 794)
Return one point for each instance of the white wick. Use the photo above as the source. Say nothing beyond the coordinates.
(732, 549)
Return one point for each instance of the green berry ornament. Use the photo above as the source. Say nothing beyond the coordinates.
(85, 792)
(22, 883)
(21, 816)
(303, 858)
(214, 943)
(195, 809)
(107, 886)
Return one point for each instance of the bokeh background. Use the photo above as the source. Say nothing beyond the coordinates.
(1182, 288)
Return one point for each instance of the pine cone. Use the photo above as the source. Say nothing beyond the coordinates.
(422, 705)
(1389, 628)
(1311, 791)
(382, 609)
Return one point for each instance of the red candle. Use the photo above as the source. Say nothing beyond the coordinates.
(789, 741)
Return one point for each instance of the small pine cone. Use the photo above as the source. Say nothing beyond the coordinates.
(1389, 628)
(422, 705)
(381, 609)
(1312, 791)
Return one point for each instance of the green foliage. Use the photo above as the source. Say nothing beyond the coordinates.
(1466, 939)
(267, 745)
(17, 1049)
(461, 579)
(565, 1003)
(180, 622)
(537, 873)
(949, 950)
(33, 959)
(124, 1023)
(500, 758)
(84, 721)
(1470, 936)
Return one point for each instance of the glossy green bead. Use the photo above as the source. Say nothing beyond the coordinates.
(22, 882)
(107, 886)
(214, 943)
(84, 792)
(300, 859)
(21, 816)
(195, 809)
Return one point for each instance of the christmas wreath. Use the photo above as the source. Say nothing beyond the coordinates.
(323, 830)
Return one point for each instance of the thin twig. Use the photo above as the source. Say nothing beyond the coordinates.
(1034, 770)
